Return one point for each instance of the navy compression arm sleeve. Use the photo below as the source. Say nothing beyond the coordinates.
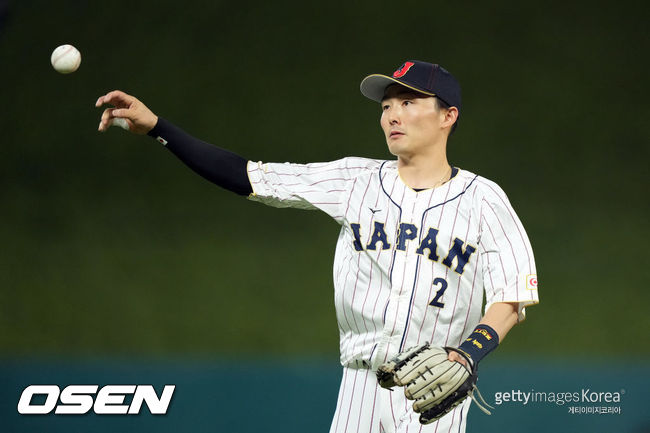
(219, 166)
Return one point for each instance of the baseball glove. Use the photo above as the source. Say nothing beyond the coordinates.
(436, 384)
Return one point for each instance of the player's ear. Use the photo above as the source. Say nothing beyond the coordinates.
(450, 116)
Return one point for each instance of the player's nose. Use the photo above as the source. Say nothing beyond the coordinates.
(393, 117)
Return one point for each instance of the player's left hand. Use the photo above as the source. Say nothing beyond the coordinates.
(431, 378)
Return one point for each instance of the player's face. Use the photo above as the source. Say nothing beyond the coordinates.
(411, 121)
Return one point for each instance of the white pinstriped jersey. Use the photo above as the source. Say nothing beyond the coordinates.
(410, 267)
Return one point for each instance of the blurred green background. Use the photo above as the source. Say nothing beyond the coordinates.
(110, 244)
(111, 247)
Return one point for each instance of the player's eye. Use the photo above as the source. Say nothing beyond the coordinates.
(407, 102)
(385, 107)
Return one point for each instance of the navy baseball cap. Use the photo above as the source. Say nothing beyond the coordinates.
(427, 78)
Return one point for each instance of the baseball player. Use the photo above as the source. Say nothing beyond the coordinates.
(423, 244)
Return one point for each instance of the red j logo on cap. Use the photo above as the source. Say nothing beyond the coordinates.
(403, 70)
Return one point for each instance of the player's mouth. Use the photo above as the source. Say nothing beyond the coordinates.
(396, 134)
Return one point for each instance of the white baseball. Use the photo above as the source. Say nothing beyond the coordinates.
(122, 123)
(65, 59)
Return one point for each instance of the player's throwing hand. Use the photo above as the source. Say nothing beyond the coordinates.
(137, 116)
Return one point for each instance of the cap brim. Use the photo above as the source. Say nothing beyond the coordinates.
(374, 86)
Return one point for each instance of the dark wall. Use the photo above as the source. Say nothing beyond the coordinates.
(110, 245)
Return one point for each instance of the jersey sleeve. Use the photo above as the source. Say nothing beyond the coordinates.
(305, 186)
(508, 264)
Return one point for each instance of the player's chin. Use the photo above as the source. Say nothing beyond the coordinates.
(394, 147)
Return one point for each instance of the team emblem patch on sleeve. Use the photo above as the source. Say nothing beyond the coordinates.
(531, 282)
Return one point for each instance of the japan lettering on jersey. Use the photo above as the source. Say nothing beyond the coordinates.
(410, 267)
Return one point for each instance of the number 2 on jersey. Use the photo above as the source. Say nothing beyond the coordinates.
(443, 286)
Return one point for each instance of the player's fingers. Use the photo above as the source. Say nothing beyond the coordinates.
(116, 98)
(101, 100)
(107, 114)
(135, 116)
(127, 113)
(109, 118)
(106, 120)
